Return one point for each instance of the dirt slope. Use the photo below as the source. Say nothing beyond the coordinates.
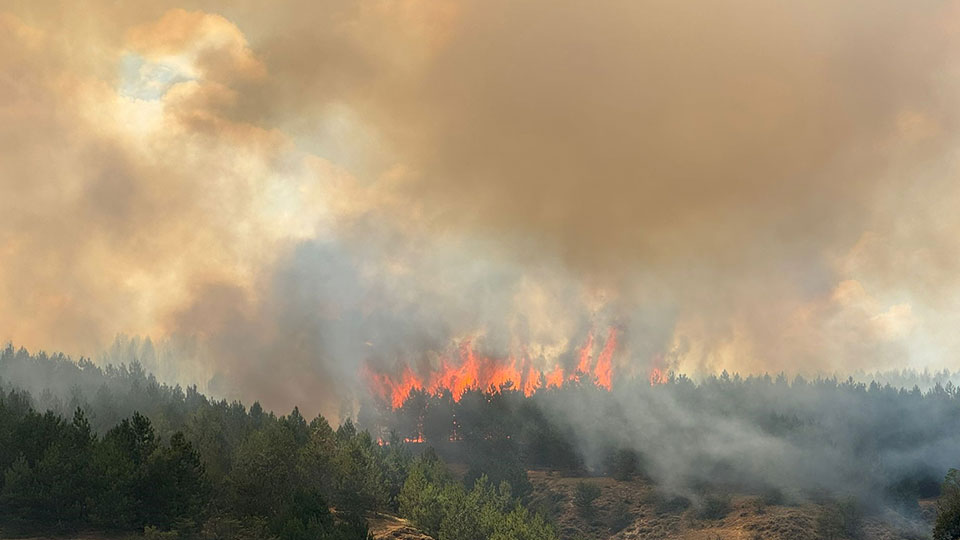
(634, 510)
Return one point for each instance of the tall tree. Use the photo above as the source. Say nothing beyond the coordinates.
(947, 526)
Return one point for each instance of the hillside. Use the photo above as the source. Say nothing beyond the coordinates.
(422, 461)
(634, 509)
(631, 510)
(644, 514)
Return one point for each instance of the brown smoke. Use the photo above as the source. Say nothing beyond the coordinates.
(750, 185)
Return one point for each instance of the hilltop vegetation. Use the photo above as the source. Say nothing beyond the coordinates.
(197, 468)
(885, 445)
(84, 447)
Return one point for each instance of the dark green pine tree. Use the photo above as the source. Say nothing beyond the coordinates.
(947, 526)
(178, 488)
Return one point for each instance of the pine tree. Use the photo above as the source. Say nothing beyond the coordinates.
(947, 526)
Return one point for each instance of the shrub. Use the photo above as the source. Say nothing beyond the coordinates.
(714, 507)
(620, 516)
(548, 504)
(583, 498)
(499, 461)
(840, 520)
(670, 505)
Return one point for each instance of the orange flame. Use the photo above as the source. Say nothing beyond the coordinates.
(465, 370)
(586, 355)
(531, 381)
(554, 378)
(658, 373)
(504, 375)
(604, 368)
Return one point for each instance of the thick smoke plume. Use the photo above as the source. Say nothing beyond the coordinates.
(283, 195)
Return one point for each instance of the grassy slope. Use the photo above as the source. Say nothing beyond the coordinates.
(649, 518)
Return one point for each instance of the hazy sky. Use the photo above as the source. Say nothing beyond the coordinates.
(286, 191)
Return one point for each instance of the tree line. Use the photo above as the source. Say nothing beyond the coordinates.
(92, 447)
(207, 469)
(890, 445)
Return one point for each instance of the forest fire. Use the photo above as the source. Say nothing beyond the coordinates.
(465, 370)
(658, 373)
(658, 376)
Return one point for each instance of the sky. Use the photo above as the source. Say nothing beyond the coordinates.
(282, 195)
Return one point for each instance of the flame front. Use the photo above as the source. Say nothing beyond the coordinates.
(466, 370)
(604, 368)
(659, 374)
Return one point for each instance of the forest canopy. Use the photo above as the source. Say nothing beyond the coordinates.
(111, 448)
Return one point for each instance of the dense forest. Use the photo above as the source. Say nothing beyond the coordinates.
(84, 447)
(182, 465)
(802, 438)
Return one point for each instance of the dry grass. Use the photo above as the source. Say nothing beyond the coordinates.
(387, 527)
(656, 516)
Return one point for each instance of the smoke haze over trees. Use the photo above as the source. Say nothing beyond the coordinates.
(879, 443)
(211, 469)
(499, 229)
(751, 187)
(885, 445)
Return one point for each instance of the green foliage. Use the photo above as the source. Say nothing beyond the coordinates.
(443, 508)
(475, 515)
(282, 470)
(190, 467)
(396, 465)
(180, 491)
(305, 516)
(359, 484)
(840, 520)
(21, 495)
(422, 498)
(498, 460)
(63, 477)
(548, 504)
(583, 496)
(947, 526)
(262, 476)
(620, 516)
(519, 524)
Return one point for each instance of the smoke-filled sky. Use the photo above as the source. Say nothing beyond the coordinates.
(280, 194)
